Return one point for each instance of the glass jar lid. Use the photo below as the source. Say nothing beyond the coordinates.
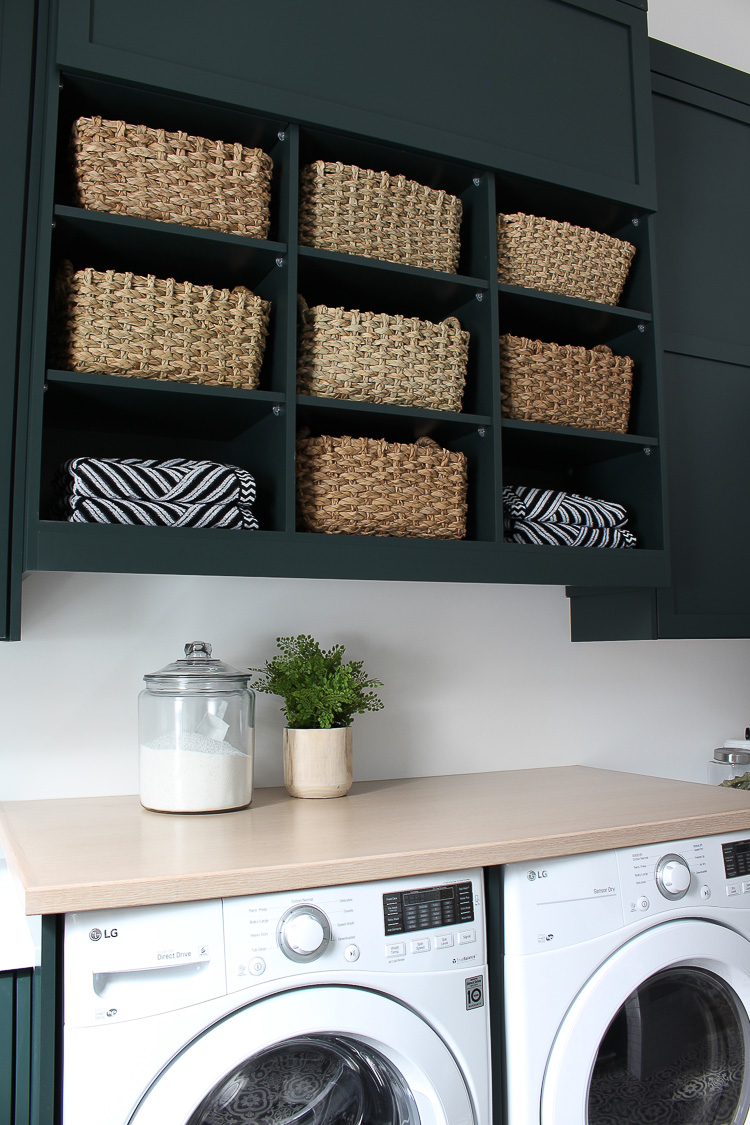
(198, 670)
(732, 757)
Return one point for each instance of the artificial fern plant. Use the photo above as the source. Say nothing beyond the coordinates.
(318, 689)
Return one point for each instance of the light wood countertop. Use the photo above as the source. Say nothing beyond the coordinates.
(89, 853)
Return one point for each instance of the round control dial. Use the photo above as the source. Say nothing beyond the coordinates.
(303, 933)
(673, 876)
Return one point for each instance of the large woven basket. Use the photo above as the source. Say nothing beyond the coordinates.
(360, 486)
(147, 328)
(565, 385)
(172, 177)
(557, 257)
(357, 211)
(374, 357)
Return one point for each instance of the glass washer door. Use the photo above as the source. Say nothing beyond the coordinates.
(323, 1055)
(659, 1034)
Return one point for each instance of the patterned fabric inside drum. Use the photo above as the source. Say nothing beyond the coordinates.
(373, 357)
(146, 328)
(357, 211)
(362, 486)
(170, 177)
(557, 257)
(564, 385)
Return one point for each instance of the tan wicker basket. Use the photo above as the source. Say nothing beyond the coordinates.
(357, 211)
(559, 258)
(145, 328)
(359, 486)
(565, 385)
(374, 357)
(172, 177)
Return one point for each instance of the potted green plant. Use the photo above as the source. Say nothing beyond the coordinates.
(321, 695)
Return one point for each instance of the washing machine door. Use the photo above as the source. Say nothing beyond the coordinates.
(659, 1033)
(323, 1055)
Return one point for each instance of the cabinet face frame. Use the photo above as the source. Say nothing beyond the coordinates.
(594, 459)
(18, 29)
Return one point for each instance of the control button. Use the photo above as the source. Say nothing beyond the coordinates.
(303, 933)
(705, 891)
(733, 889)
(421, 945)
(257, 967)
(673, 876)
(351, 953)
(466, 937)
(643, 903)
(745, 886)
(396, 949)
(443, 941)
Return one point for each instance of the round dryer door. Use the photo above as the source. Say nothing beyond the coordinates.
(326, 1055)
(659, 1033)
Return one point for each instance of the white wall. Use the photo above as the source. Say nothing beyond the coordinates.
(477, 677)
(718, 29)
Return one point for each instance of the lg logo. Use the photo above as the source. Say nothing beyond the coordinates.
(96, 934)
(532, 875)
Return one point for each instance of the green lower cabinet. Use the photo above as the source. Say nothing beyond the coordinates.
(15, 1047)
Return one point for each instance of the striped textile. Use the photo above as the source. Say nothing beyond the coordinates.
(174, 493)
(543, 505)
(545, 517)
(567, 535)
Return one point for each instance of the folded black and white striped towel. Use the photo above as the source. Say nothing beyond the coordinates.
(173, 493)
(545, 517)
(567, 535)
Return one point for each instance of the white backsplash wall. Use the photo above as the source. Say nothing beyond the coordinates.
(476, 678)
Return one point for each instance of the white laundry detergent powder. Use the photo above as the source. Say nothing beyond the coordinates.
(194, 774)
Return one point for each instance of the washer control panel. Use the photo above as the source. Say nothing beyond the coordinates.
(422, 924)
(736, 858)
(428, 907)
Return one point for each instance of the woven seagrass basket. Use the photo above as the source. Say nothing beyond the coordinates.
(565, 385)
(172, 177)
(147, 328)
(357, 211)
(360, 486)
(560, 258)
(374, 357)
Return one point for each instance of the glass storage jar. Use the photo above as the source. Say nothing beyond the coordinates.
(729, 761)
(196, 734)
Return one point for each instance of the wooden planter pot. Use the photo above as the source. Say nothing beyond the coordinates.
(318, 763)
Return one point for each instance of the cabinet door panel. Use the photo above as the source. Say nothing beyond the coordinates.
(702, 229)
(707, 407)
(532, 86)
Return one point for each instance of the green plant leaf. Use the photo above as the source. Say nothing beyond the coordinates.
(318, 689)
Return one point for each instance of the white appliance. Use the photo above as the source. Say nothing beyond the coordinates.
(627, 986)
(363, 1003)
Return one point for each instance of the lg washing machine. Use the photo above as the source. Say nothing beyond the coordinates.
(348, 1005)
(625, 982)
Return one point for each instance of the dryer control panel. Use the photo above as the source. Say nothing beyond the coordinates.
(560, 902)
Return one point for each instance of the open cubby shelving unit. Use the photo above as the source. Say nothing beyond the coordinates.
(73, 414)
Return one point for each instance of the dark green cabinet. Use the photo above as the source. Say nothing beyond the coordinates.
(702, 131)
(554, 89)
(540, 107)
(15, 1047)
(17, 30)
